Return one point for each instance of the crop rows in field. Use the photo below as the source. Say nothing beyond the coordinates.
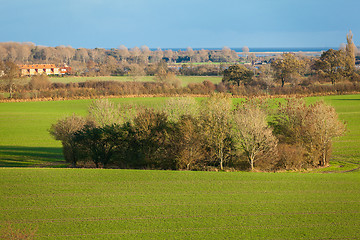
(92, 203)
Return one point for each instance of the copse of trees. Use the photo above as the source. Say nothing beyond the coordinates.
(209, 134)
(308, 130)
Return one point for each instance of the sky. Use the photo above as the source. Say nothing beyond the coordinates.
(180, 23)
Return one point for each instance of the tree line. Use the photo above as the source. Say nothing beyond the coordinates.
(102, 62)
(41, 88)
(293, 73)
(201, 135)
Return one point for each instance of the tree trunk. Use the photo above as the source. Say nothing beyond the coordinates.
(282, 82)
(188, 166)
(324, 157)
(221, 159)
(11, 91)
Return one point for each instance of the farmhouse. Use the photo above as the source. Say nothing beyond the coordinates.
(49, 69)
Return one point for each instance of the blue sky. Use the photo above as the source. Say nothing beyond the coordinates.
(180, 23)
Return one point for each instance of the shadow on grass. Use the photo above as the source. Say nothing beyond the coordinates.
(19, 156)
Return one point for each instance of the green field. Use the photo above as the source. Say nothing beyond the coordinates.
(185, 80)
(134, 204)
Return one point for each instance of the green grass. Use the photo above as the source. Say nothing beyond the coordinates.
(25, 141)
(135, 204)
(185, 80)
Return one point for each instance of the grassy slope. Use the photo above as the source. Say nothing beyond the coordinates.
(129, 204)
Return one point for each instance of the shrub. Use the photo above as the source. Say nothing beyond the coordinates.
(150, 141)
(39, 82)
(64, 130)
(290, 157)
(100, 143)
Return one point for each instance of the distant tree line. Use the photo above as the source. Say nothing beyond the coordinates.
(206, 135)
(41, 88)
(283, 75)
(30, 53)
(105, 62)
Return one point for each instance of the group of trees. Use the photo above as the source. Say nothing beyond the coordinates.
(192, 135)
(332, 66)
(104, 62)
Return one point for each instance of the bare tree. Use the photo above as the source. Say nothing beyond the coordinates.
(158, 55)
(145, 53)
(124, 53)
(177, 107)
(252, 133)
(245, 50)
(215, 121)
(311, 126)
(104, 112)
(190, 53)
(266, 75)
(163, 74)
(135, 53)
(82, 55)
(322, 125)
(136, 71)
(187, 143)
(169, 54)
(10, 75)
(204, 55)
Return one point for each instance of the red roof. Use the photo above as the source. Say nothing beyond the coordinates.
(37, 66)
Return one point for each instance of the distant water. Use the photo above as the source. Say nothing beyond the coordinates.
(284, 49)
(293, 49)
